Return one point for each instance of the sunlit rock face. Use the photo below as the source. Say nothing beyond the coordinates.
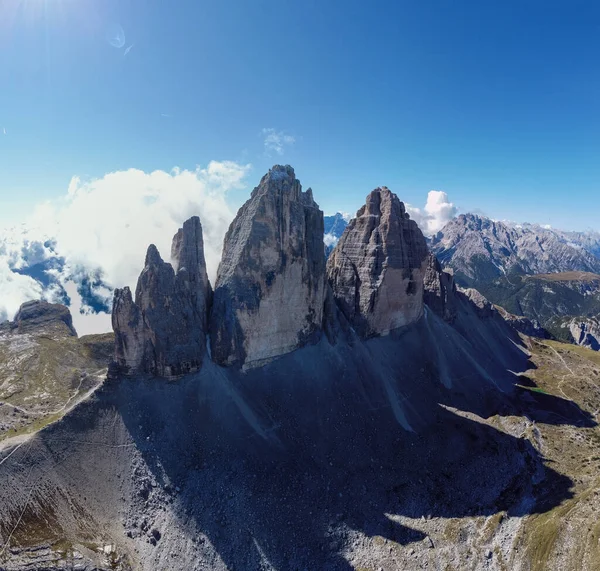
(376, 270)
(163, 332)
(585, 331)
(270, 289)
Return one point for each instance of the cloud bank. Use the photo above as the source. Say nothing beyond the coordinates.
(438, 211)
(78, 248)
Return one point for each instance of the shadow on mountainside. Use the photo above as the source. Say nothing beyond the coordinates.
(482, 354)
(286, 465)
(287, 462)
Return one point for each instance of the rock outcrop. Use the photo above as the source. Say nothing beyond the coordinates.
(486, 310)
(585, 332)
(483, 308)
(163, 332)
(270, 289)
(376, 270)
(439, 290)
(36, 315)
(524, 325)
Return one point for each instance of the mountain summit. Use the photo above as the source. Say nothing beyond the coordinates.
(377, 268)
(270, 286)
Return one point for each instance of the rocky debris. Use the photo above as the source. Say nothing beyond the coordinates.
(439, 290)
(270, 288)
(35, 315)
(163, 332)
(376, 270)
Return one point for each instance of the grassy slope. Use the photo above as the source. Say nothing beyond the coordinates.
(585, 277)
(41, 375)
(567, 537)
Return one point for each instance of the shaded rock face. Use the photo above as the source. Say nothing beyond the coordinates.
(163, 331)
(439, 290)
(480, 304)
(270, 289)
(35, 315)
(376, 270)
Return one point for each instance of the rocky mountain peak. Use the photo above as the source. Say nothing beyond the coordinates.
(35, 316)
(163, 331)
(376, 270)
(153, 257)
(270, 287)
(187, 249)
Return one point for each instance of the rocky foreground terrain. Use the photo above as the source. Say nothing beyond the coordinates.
(364, 413)
(45, 369)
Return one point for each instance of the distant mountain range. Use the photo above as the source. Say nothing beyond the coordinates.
(545, 274)
(479, 250)
(334, 226)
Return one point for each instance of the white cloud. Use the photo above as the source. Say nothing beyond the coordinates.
(14, 290)
(330, 240)
(108, 223)
(437, 213)
(86, 321)
(105, 225)
(276, 141)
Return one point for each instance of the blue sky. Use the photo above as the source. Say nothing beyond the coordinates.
(496, 103)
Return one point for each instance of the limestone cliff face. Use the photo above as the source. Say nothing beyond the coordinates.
(439, 290)
(585, 331)
(376, 270)
(270, 289)
(163, 332)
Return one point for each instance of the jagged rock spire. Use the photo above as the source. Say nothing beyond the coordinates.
(376, 270)
(439, 289)
(270, 289)
(163, 332)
